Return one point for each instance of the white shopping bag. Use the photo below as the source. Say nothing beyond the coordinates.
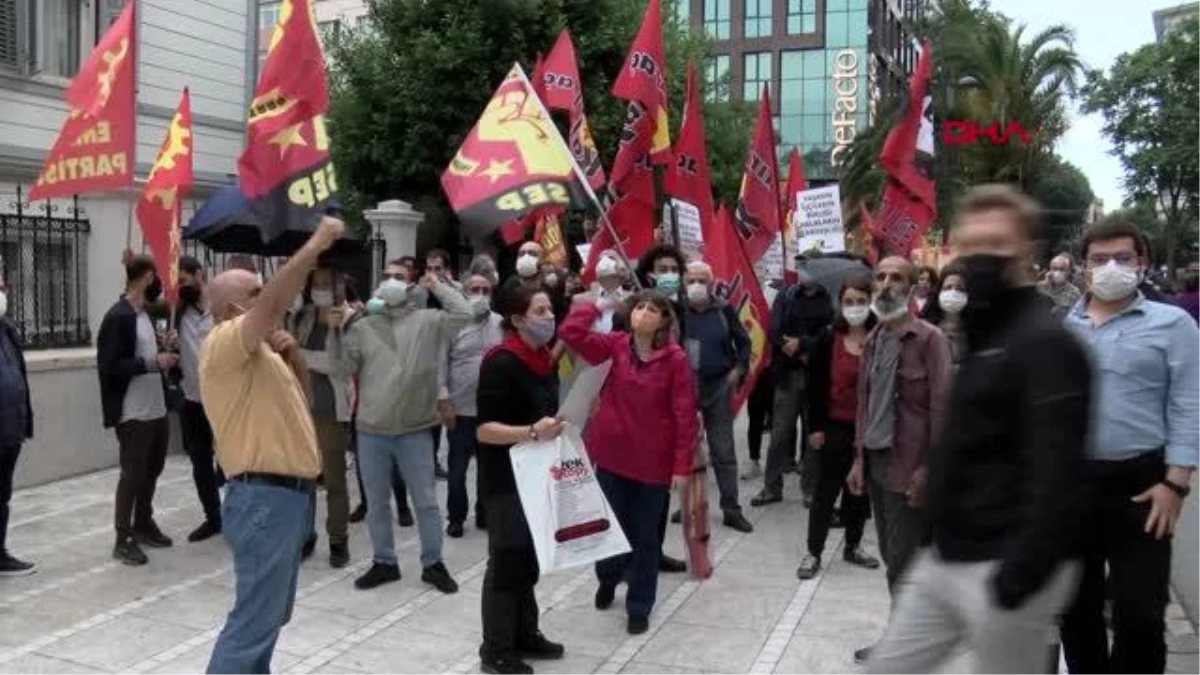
(569, 518)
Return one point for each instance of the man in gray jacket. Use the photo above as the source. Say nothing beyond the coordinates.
(395, 356)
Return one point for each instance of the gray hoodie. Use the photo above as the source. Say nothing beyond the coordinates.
(395, 357)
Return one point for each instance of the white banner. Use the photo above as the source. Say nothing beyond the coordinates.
(691, 235)
(770, 266)
(818, 220)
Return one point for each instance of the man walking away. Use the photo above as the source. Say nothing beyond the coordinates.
(255, 390)
(131, 367)
(194, 323)
(16, 425)
(1005, 500)
(1144, 449)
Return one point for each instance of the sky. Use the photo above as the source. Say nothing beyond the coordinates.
(1104, 29)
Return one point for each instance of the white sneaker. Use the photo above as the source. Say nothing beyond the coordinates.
(751, 471)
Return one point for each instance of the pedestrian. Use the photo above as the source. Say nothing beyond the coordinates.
(484, 264)
(758, 420)
(641, 437)
(611, 274)
(1143, 453)
(833, 408)
(903, 377)
(131, 366)
(395, 357)
(437, 262)
(516, 402)
(924, 293)
(529, 265)
(458, 381)
(718, 348)
(16, 425)
(194, 321)
(946, 313)
(1004, 501)
(1058, 285)
(253, 382)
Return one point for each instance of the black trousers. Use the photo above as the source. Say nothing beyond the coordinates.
(8, 467)
(143, 453)
(758, 412)
(198, 443)
(1139, 571)
(833, 462)
(509, 606)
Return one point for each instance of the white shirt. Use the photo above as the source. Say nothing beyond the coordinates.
(144, 399)
(194, 326)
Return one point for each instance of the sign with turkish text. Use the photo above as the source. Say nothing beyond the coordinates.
(818, 220)
(687, 218)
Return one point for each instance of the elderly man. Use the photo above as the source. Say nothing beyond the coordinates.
(254, 385)
(719, 349)
(1059, 284)
(529, 264)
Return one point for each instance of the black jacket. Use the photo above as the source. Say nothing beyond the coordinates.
(8, 331)
(796, 314)
(820, 374)
(116, 359)
(1005, 476)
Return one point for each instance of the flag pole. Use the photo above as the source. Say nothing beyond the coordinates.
(580, 175)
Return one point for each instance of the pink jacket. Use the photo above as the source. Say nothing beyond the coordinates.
(645, 425)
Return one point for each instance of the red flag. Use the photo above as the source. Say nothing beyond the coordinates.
(688, 177)
(514, 231)
(158, 209)
(870, 230)
(633, 223)
(757, 216)
(549, 234)
(632, 172)
(910, 196)
(94, 150)
(558, 83)
(643, 80)
(796, 182)
(901, 221)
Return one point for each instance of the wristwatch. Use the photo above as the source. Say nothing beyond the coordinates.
(1181, 490)
(533, 433)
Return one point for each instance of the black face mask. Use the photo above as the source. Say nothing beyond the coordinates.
(988, 278)
(154, 290)
(189, 295)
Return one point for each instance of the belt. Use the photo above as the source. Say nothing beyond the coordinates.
(305, 485)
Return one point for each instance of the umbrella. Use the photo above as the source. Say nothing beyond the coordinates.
(831, 272)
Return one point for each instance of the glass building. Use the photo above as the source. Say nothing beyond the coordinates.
(826, 62)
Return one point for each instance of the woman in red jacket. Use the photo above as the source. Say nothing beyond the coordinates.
(641, 436)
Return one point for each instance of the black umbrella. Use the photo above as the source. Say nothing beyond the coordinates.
(831, 272)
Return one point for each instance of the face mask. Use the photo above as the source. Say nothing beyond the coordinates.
(551, 279)
(538, 332)
(607, 267)
(154, 290)
(952, 301)
(889, 305)
(856, 315)
(393, 292)
(418, 297)
(987, 277)
(322, 297)
(375, 306)
(3, 303)
(189, 294)
(527, 265)
(667, 283)
(1114, 282)
(481, 306)
(697, 292)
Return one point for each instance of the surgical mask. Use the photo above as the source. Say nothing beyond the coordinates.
(856, 315)
(527, 265)
(889, 305)
(697, 292)
(667, 283)
(376, 306)
(1057, 277)
(481, 305)
(607, 267)
(3, 304)
(538, 332)
(551, 279)
(322, 297)
(393, 292)
(1114, 282)
(952, 301)
(418, 297)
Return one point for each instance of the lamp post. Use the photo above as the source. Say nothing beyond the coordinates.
(396, 222)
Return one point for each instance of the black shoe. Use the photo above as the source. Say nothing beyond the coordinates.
(863, 655)
(129, 553)
(857, 557)
(206, 530)
(671, 565)
(378, 575)
(359, 514)
(836, 521)
(13, 567)
(438, 576)
(677, 517)
(151, 536)
(439, 471)
(764, 498)
(605, 595)
(538, 647)
(504, 665)
(406, 518)
(310, 545)
(339, 555)
(637, 624)
(454, 530)
(737, 520)
(809, 567)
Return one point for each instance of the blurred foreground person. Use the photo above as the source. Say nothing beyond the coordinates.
(193, 320)
(16, 424)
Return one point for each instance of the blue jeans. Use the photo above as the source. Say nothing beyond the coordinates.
(463, 446)
(638, 507)
(265, 527)
(412, 454)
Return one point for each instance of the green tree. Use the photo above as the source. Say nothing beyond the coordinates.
(1065, 195)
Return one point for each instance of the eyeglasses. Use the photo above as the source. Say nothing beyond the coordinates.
(1123, 258)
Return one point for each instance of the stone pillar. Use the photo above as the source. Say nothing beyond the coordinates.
(397, 223)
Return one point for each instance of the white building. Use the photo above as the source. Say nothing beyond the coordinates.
(1166, 20)
(64, 272)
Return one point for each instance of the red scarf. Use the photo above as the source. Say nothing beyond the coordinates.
(536, 360)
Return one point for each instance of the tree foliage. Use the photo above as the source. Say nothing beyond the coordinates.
(1065, 196)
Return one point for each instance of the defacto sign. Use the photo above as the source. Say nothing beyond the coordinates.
(845, 103)
(967, 132)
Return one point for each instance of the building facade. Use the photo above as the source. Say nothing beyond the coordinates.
(1165, 20)
(827, 63)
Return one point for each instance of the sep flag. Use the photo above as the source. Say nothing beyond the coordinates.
(511, 163)
(285, 171)
(95, 147)
(158, 209)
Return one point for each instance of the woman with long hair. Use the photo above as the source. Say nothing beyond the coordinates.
(946, 313)
(516, 401)
(641, 437)
(833, 407)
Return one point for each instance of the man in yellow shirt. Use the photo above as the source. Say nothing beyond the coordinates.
(253, 383)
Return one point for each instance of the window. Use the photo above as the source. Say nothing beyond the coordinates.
(43, 261)
(758, 18)
(107, 12)
(755, 73)
(41, 37)
(716, 19)
(683, 12)
(268, 15)
(801, 17)
(716, 78)
(329, 31)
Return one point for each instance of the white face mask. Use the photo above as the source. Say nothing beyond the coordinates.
(1114, 282)
(551, 279)
(856, 315)
(3, 304)
(527, 265)
(1057, 277)
(322, 297)
(481, 305)
(393, 292)
(952, 301)
(697, 292)
(607, 267)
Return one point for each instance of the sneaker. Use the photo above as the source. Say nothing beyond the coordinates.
(638, 624)
(454, 530)
(855, 556)
(605, 595)
(359, 513)
(310, 545)
(863, 655)
(378, 575)
(753, 470)
(737, 520)
(438, 576)
(13, 567)
(764, 498)
(206, 530)
(677, 517)
(809, 567)
(129, 553)
(339, 555)
(537, 646)
(406, 518)
(439, 472)
(504, 665)
(151, 536)
(670, 565)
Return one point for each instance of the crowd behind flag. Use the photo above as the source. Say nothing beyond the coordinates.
(159, 209)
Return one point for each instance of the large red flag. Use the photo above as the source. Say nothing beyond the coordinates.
(558, 83)
(633, 224)
(796, 182)
(159, 208)
(643, 80)
(688, 177)
(757, 215)
(95, 147)
(910, 194)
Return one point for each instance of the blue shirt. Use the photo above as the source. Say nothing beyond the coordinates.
(1147, 385)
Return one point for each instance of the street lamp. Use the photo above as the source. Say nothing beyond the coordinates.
(396, 222)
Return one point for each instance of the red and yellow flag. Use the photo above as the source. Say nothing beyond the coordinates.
(688, 177)
(643, 81)
(757, 214)
(94, 150)
(159, 210)
(558, 83)
(549, 234)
